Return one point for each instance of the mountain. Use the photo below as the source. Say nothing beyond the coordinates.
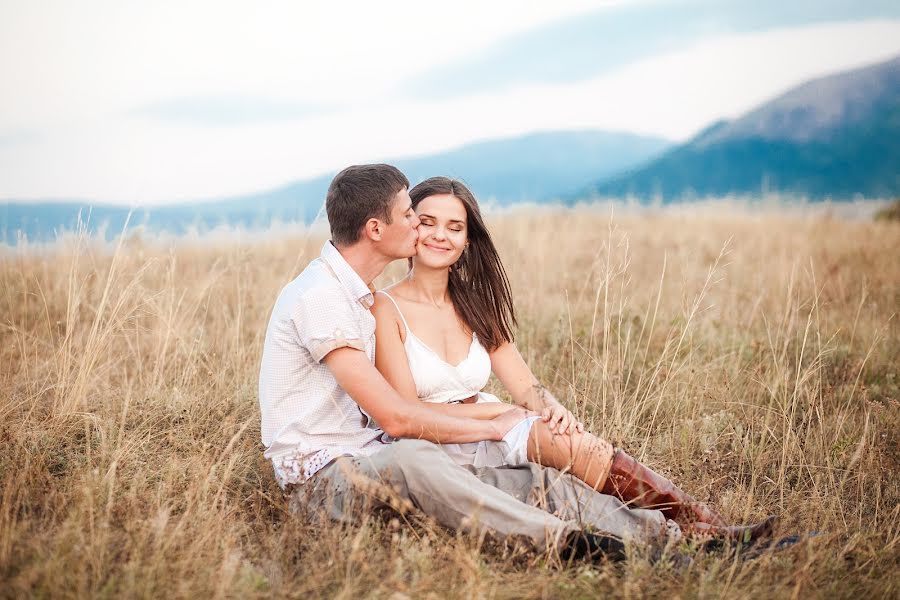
(538, 167)
(834, 137)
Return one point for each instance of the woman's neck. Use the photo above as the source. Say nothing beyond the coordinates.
(430, 286)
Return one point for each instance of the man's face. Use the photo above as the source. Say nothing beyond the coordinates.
(399, 238)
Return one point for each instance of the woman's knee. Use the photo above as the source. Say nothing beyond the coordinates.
(573, 446)
(593, 449)
(550, 448)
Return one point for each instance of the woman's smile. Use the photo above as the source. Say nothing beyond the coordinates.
(435, 248)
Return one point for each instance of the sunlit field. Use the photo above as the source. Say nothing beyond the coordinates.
(750, 355)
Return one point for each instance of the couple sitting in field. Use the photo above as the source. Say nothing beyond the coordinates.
(374, 398)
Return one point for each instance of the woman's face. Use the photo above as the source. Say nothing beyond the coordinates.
(443, 232)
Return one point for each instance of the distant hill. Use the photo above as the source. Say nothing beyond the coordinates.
(837, 137)
(537, 167)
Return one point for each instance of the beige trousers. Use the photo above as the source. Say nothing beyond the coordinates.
(538, 503)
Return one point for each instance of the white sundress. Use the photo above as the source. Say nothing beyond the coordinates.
(440, 382)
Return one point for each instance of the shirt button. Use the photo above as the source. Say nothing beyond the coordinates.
(338, 333)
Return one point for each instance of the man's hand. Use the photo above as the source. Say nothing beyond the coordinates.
(509, 419)
(560, 420)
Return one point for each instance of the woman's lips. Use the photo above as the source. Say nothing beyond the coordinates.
(436, 248)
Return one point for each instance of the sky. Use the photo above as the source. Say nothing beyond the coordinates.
(133, 102)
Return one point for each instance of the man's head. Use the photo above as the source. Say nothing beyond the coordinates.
(372, 202)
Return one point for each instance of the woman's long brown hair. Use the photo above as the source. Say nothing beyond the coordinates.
(479, 288)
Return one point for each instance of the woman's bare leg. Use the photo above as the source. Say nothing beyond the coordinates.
(611, 471)
(584, 455)
(597, 463)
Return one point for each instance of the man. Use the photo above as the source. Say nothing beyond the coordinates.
(320, 394)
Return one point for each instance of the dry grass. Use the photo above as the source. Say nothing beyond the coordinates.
(753, 357)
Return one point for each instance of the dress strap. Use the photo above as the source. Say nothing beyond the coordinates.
(399, 312)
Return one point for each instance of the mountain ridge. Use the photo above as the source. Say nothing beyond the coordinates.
(832, 137)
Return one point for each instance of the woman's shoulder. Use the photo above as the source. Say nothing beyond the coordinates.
(391, 298)
(383, 304)
(385, 310)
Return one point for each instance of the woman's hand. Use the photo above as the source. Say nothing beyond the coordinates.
(560, 420)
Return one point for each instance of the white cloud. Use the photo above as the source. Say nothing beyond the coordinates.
(69, 61)
(676, 94)
(80, 101)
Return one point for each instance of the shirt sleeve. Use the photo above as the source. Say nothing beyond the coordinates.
(325, 320)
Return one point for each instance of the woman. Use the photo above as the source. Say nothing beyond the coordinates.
(447, 325)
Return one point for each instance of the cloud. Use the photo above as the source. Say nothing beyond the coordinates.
(66, 62)
(585, 46)
(227, 110)
(14, 137)
(162, 102)
(671, 95)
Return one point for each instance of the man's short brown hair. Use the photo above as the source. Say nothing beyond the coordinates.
(359, 193)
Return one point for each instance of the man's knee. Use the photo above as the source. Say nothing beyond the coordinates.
(419, 461)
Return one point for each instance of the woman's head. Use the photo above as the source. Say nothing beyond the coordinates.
(452, 235)
(443, 231)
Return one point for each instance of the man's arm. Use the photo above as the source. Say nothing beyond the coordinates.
(482, 410)
(403, 417)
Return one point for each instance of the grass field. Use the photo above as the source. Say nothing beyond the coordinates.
(750, 355)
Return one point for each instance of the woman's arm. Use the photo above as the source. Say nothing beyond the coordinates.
(390, 354)
(392, 362)
(515, 375)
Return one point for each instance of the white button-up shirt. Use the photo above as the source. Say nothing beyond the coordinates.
(307, 418)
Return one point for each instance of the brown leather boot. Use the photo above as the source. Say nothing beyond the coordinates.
(640, 486)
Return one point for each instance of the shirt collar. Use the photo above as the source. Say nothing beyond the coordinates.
(350, 279)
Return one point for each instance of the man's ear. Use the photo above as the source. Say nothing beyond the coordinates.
(374, 229)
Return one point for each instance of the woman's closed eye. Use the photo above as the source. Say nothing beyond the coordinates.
(453, 228)
(429, 223)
